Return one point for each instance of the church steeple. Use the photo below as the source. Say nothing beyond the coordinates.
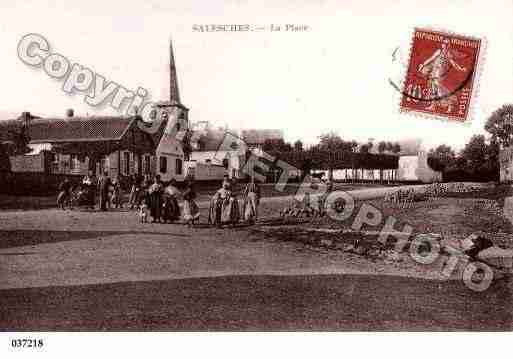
(172, 110)
(174, 95)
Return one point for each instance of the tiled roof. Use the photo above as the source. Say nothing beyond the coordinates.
(214, 139)
(260, 136)
(71, 129)
(211, 140)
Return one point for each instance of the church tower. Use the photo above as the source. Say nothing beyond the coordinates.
(176, 114)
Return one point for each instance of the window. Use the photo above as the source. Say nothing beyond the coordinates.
(126, 158)
(146, 164)
(163, 164)
(178, 126)
(74, 163)
(179, 166)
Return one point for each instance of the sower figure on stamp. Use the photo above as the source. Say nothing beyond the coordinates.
(436, 68)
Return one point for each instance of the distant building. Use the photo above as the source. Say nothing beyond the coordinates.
(415, 168)
(506, 164)
(210, 148)
(255, 138)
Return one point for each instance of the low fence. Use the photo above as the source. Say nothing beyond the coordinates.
(40, 184)
(34, 184)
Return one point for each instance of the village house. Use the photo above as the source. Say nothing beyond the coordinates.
(209, 150)
(229, 148)
(77, 145)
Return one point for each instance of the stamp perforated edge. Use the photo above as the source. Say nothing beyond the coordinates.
(481, 57)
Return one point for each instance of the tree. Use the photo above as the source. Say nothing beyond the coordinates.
(364, 148)
(331, 141)
(370, 144)
(278, 145)
(500, 125)
(389, 146)
(396, 148)
(475, 153)
(382, 146)
(298, 146)
(268, 145)
(443, 156)
(5, 163)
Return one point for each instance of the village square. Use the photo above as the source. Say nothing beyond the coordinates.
(167, 223)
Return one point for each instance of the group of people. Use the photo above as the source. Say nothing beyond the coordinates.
(89, 190)
(224, 206)
(161, 200)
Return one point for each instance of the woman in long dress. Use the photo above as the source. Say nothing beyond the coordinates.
(190, 208)
(251, 202)
(170, 207)
(224, 207)
(155, 192)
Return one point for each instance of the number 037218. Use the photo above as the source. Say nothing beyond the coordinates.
(27, 343)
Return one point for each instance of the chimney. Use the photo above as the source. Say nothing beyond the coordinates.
(69, 113)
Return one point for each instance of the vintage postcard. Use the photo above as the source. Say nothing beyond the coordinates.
(188, 167)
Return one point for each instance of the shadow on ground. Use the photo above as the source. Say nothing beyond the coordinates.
(319, 302)
(20, 238)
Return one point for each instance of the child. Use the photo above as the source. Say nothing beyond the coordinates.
(190, 208)
(116, 194)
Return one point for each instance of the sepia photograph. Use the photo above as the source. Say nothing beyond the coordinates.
(226, 167)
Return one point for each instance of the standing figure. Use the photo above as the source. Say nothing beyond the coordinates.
(224, 207)
(155, 192)
(251, 201)
(64, 194)
(146, 182)
(104, 185)
(436, 68)
(323, 197)
(116, 194)
(89, 183)
(190, 208)
(134, 189)
(170, 207)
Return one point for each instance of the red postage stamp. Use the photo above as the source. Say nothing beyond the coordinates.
(441, 75)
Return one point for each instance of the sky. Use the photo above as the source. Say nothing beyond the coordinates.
(333, 77)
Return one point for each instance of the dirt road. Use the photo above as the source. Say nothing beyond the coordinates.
(80, 270)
